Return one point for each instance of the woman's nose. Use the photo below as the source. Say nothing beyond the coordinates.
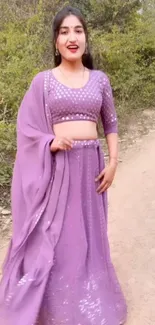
(72, 37)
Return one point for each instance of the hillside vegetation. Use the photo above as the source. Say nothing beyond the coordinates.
(122, 41)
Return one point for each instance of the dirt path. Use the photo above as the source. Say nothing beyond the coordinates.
(132, 227)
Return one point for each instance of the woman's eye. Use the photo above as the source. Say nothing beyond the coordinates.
(63, 32)
(79, 31)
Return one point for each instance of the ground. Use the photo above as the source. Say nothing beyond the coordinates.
(132, 229)
(131, 219)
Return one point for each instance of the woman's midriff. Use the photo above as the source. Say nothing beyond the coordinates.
(76, 130)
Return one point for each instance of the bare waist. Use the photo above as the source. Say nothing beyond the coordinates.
(76, 130)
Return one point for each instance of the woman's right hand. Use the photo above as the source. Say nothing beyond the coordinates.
(60, 143)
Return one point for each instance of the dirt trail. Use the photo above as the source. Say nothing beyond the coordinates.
(132, 226)
(132, 229)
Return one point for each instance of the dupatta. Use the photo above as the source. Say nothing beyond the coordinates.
(38, 194)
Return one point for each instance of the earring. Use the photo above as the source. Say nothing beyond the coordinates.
(57, 52)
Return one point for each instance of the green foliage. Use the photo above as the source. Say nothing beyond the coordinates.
(105, 14)
(123, 45)
(21, 56)
(19, 62)
(129, 59)
(7, 151)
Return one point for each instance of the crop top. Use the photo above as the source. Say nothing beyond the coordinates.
(87, 103)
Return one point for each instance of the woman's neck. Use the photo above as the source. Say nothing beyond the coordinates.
(71, 66)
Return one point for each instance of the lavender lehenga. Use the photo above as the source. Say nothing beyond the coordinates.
(58, 269)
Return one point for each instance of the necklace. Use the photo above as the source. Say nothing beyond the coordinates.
(69, 79)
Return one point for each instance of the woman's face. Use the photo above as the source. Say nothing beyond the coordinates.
(71, 41)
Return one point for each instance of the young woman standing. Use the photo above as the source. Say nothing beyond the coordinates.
(58, 269)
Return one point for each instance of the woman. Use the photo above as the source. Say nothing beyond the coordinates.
(58, 269)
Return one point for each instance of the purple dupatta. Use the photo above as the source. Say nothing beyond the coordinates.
(35, 208)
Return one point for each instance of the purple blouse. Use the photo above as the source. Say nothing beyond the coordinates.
(86, 103)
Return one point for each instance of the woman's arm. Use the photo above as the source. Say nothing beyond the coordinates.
(108, 111)
(112, 142)
(110, 126)
(109, 120)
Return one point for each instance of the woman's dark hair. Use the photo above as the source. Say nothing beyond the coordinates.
(87, 59)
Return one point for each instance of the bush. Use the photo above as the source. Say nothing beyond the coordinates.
(7, 152)
(129, 60)
(124, 48)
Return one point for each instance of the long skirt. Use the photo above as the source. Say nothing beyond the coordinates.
(83, 288)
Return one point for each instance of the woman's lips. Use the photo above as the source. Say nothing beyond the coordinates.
(73, 49)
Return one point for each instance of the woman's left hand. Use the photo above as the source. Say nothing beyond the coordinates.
(106, 177)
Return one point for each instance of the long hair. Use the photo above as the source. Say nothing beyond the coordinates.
(87, 59)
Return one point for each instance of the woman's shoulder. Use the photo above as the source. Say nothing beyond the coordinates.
(39, 81)
(101, 76)
(40, 76)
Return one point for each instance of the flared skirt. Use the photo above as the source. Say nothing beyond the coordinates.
(83, 288)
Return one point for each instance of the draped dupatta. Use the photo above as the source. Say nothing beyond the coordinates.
(40, 183)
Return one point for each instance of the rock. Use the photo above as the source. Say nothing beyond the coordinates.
(1, 209)
(5, 212)
(7, 223)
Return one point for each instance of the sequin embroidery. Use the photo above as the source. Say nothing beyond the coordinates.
(87, 103)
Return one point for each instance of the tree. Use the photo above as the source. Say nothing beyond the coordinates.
(123, 38)
(105, 14)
